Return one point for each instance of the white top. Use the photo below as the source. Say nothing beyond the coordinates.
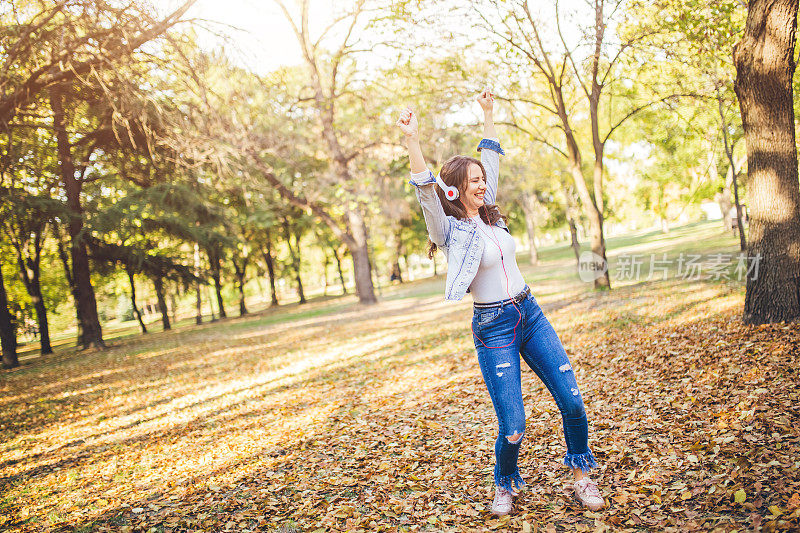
(492, 283)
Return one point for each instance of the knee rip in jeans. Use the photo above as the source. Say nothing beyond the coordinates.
(515, 438)
(502, 365)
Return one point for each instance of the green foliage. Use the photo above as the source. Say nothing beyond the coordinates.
(182, 148)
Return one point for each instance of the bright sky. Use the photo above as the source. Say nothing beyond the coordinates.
(261, 38)
(259, 32)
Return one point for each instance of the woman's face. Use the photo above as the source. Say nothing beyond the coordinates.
(472, 197)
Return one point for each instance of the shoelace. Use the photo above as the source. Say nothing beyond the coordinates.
(502, 498)
(590, 489)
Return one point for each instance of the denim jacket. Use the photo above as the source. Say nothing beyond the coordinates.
(458, 239)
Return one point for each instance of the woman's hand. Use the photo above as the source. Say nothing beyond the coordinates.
(486, 99)
(410, 128)
(408, 123)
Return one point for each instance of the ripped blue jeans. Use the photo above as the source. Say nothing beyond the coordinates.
(499, 351)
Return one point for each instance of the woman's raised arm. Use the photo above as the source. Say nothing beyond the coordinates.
(409, 125)
(490, 158)
(423, 181)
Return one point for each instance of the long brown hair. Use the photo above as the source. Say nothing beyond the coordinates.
(455, 173)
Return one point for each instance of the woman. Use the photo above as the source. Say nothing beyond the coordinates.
(462, 219)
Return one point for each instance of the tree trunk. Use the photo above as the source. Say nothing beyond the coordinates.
(339, 268)
(267, 253)
(173, 305)
(198, 305)
(397, 273)
(30, 270)
(62, 254)
(590, 204)
(325, 265)
(89, 331)
(529, 208)
(294, 253)
(8, 330)
(198, 302)
(596, 237)
(356, 235)
(724, 199)
(218, 291)
(373, 269)
(133, 301)
(214, 260)
(241, 273)
(158, 284)
(41, 318)
(211, 304)
(573, 236)
(360, 254)
(570, 210)
(764, 60)
(596, 209)
(729, 154)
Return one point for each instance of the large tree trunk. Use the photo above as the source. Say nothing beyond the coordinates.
(8, 330)
(267, 253)
(89, 331)
(764, 60)
(158, 284)
(133, 300)
(529, 208)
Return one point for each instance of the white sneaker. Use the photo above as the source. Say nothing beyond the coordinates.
(588, 494)
(503, 500)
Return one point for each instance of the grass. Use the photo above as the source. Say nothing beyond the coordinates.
(556, 266)
(351, 417)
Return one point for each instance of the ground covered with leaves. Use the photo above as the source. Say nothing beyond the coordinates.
(340, 417)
